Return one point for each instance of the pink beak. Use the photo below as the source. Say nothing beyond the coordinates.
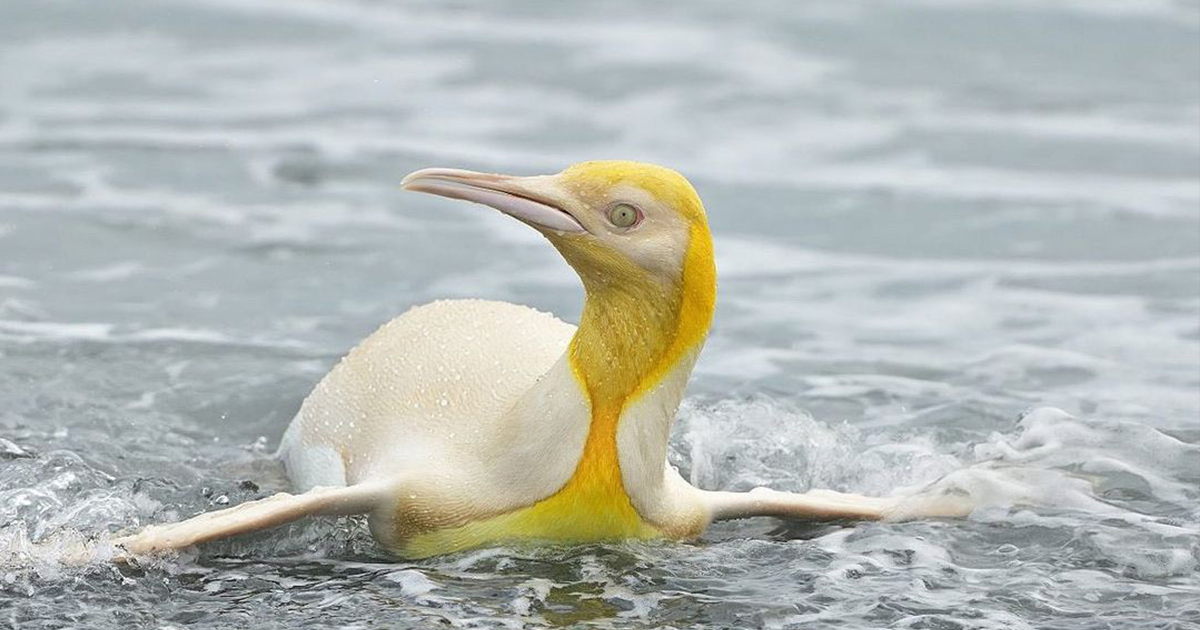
(531, 200)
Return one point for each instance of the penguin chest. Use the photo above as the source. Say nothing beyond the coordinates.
(592, 506)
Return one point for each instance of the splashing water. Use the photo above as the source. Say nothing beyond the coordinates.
(1052, 490)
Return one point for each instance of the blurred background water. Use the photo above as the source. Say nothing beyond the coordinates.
(929, 217)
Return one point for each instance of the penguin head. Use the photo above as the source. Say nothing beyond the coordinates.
(619, 224)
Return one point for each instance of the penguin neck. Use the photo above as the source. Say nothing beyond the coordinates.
(623, 344)
(637, 332)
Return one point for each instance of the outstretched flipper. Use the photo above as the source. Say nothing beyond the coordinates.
(254, 516)
(827, 505)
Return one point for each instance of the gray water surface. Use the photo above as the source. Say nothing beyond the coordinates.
(930, 217)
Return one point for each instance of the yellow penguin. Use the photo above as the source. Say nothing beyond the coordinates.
(467, 423)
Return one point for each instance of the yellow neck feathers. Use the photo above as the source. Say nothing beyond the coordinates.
(635, 328)
(633, 331)
(637, 325)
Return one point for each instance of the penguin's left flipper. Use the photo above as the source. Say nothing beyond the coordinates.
(253, 516)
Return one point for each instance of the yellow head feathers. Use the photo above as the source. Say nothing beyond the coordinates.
(668, 245)
(595, 178)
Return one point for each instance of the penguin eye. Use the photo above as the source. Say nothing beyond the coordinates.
(624, 215)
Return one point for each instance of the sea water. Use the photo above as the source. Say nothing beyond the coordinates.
(958, 244)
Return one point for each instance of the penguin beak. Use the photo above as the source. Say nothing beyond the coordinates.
(535, 201)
